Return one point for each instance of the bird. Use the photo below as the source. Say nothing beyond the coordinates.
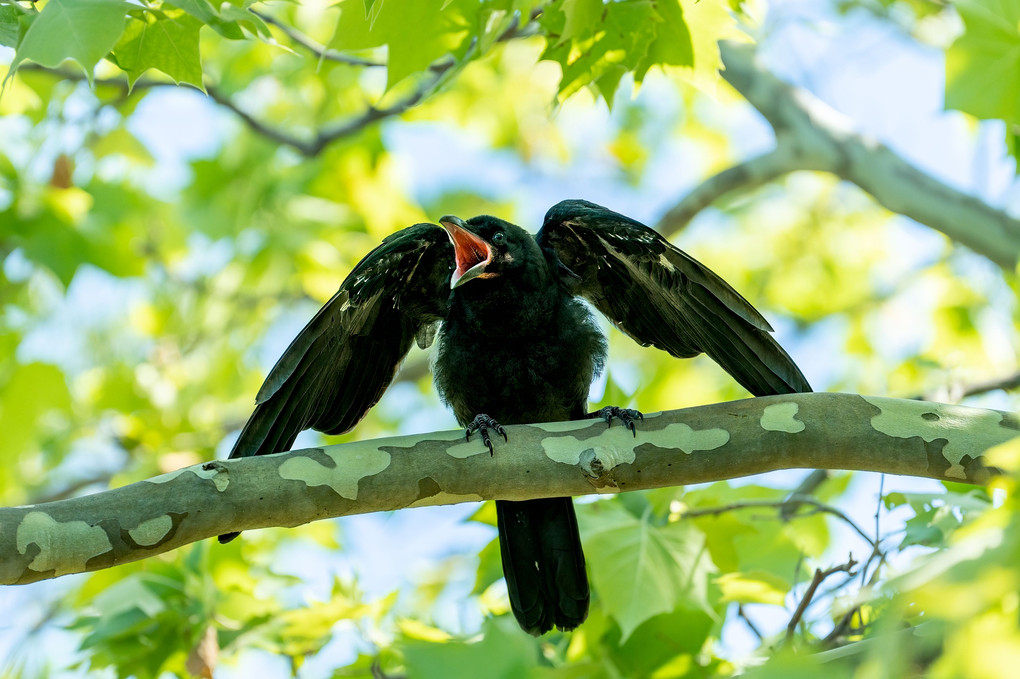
(516, 344)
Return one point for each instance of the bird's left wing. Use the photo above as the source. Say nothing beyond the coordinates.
(660, 295)
(340, 364)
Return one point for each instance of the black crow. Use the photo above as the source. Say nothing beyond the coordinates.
(516, 345)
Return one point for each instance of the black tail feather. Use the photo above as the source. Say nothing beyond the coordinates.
(543, 563)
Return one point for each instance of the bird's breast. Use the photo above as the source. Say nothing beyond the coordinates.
(515, 375)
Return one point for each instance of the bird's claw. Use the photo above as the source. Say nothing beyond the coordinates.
(483, 423)
(626, 415)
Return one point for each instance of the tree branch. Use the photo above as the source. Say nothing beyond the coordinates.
(817, 505)
(319, 51)
(809, 594)
(331, 132)
(693, 445)
(743, 177)
(810, 135)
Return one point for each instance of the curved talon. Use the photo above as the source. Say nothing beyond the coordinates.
(626, 415)
(482, 423)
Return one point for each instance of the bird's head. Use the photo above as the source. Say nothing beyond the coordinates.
(486, 247)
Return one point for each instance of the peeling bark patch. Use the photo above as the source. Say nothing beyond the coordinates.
(559, 427)
(350, 467)
(412, 441)
(427, 487)
(215, 472)
(169, 476)
(444, 498)
(947, 430)
(468, 448)
(64, 547)
(782, 417)
(618, 444)
(148, 533)
(937, 462)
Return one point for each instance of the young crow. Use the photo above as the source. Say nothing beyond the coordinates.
(516, 345)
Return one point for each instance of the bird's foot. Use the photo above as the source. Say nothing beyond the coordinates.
(483, 423)
(626, 415)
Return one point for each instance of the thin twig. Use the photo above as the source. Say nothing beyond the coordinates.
(316, 49)
(954, 392)
(817, 505)
(742, 614)
(329, 133)
(809, 593)
(72, 489)
(840, 629)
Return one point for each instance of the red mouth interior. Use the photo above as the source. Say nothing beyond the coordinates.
(469, 249)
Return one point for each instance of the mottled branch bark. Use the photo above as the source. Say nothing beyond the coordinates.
(707, 443)
(810, 135)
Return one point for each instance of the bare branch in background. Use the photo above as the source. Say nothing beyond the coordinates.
(299, 38)
(314, 144)
(818, 506)
(810, 135)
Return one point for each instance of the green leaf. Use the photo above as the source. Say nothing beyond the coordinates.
(372, 9)
(32, 391)
(166, 41)
(503, 652)
(207, 14)
(672, 44)
(581, 16)
(660, 640)
(245, 19)
(756, 587)
(9, 26)
(983, 65)
(640, 569)
(82, 30)
(490, 567)
(417, 32)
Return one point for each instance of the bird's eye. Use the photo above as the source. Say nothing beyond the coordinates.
(499, 238)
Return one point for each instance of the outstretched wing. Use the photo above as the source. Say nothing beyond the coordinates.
(344, 359)
(660, 295)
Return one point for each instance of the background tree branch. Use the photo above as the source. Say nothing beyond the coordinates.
(693, 445)
(810, 135)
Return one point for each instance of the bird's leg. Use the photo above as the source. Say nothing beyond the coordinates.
(626, 415)
(483, 423)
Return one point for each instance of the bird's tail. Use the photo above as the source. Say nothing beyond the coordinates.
(543, 563)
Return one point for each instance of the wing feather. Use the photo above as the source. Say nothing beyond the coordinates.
(340, 364)
(661, 296)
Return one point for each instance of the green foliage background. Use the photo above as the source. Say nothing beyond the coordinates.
(135, 306)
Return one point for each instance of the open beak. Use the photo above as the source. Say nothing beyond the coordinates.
(472, 253)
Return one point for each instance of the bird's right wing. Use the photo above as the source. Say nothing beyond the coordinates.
(660, 295)
(340, 364)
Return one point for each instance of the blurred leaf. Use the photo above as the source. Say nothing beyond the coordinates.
(417, 32)
(490, 567)
(9, 26)
(29, 394)
(503, 651)
(756, 587)
(982, 72)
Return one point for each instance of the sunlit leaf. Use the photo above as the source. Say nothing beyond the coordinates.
(82, 30)
(166, 41)
(641, 569)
